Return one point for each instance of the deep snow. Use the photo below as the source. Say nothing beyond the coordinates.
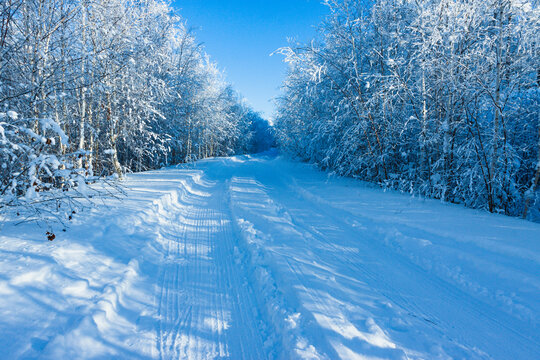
(255, 257)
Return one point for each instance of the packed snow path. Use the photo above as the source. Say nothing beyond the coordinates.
(202, 291)
(260, 258)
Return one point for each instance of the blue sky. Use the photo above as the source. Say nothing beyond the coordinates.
(240, 35)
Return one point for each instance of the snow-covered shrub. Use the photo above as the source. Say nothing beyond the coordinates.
(36, 174)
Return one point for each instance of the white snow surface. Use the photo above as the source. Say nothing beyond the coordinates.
(256, 257)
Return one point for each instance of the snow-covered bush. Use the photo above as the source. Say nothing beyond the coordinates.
(37, 176)
(28, 164)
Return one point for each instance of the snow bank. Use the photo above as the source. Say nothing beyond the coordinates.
(90, 292)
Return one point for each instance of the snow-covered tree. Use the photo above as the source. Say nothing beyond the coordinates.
(92, 88)
(436, 97)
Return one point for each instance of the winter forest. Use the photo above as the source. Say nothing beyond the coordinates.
(270, 180)
(91, 88)
(436, 98)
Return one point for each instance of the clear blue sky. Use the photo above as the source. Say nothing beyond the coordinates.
(240, 35)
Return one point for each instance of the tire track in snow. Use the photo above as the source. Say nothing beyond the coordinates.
(468, 313)
(280, 238)
(204, 305)
(279, 304)
(390, 278)
(357, 224)
(502, 257)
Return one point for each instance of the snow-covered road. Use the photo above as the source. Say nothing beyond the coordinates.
(261, 258)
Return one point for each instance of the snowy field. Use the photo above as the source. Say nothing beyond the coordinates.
(260, 258)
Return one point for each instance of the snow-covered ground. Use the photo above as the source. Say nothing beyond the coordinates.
(257, 257)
